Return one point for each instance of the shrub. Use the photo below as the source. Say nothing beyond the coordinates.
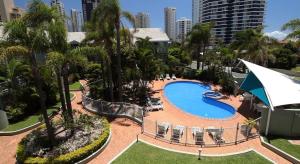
(71, 157)
(227, 83)
(16, 113)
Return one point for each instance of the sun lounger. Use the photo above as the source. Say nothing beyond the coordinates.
(162, 129)
(168, 77)
(161, 77)
(173, 77)
(177, 133)
(216, 134)
(198, 135)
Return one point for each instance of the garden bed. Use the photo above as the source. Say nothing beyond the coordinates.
(90, 134)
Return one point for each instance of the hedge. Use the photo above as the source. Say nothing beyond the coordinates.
(71, 157)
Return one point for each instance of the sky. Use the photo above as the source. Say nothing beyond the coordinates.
(277, 13)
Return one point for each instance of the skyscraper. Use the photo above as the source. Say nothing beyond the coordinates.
(87, 8)
(142, 20)
(231, 16)
(74, 20)
(59, 5)
(183, 27)
(8, 11)
(197, 11)
(170, 22)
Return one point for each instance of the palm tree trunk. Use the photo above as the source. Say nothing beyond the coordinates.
(67, 93)
(198, 58)
(61, 92)
(119, 81)
(42, 98)
(110, 82)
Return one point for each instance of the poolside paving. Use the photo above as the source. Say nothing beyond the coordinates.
(124, 132)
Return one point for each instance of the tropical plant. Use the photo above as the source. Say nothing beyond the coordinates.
(198, 40)
(107, 17)
(29, 37)
(253, 45)
(294, 27)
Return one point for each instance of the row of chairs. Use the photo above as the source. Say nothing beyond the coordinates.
(198, 133)
(167, 77)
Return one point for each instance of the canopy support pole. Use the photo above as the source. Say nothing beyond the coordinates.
(268, 122)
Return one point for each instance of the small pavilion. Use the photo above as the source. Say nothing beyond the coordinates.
(280, 94)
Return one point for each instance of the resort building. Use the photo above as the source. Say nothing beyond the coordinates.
(170, 22)
(74, 20)
(159, 38)
(197, 11)
(8, 11)
(87, 8)
(229, 16)
(142, 20)
(59, 5)
(183, 27)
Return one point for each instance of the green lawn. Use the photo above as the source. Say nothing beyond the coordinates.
(75, 86)
(143, 153)
(297, 69)
(31, 120)
(286, 146)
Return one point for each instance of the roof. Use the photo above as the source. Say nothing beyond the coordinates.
(273, 88)
(155, 34)
(75, 37)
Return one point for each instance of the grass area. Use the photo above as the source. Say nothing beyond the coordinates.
(75, 86)
(31, 120)
(297, 69)
(143, 153)
(286, 146)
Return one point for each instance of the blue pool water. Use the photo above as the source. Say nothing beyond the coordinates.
(188, 97)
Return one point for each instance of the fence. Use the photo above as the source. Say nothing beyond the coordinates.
(114, 109)
(211, 136)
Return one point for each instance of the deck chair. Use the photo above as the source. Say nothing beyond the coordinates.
(168, 77)
(216, 134)
(162, 129)
(198, 135)
(161, 77)
(177, 133)
(173, 77)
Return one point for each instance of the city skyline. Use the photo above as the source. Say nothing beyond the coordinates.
(277, 12)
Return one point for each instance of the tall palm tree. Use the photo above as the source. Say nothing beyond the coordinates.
(294, 27)
(109, 14)
(253, 45)
(198, 40)
(29, 37)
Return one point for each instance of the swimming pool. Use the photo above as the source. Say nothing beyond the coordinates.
(188, 97)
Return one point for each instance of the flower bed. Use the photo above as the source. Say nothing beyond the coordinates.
(84, 142)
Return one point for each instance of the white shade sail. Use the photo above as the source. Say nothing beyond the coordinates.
(280, 88)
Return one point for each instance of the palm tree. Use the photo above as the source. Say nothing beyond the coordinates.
(294, 27)
(198, 40)
(28, 37)
(108, 14)
(253, 45)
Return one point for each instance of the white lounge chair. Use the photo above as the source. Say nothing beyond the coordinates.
(173, 77)
(161, 77)
(198, 135)
(216, 134)
(177, 133)
(168, 77)
(162, 129)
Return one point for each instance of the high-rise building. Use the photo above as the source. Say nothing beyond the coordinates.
(183, 27)
(231, 16)
(142, 20)
(87, 8)
(8, 11)
(197, 11)
(59, 5)
(74, 20)
(170, 22)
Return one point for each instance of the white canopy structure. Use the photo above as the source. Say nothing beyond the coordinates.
(271, 87)
(279, 88)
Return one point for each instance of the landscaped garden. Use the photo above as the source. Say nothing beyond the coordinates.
(286, 146)
(144, 153)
